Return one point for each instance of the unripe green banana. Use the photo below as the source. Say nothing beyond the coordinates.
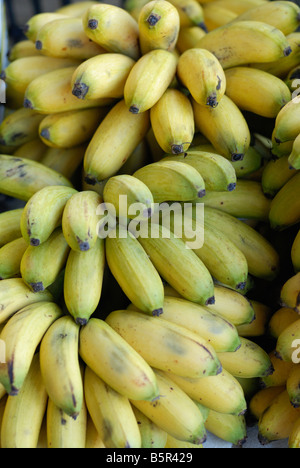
(10, 226)
(20, 127)
(10, 258)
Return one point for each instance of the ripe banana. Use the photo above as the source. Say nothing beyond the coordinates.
(188, 37)
(37, 21)
(43, 213)
(202, 74)
(287, 124)
(174, 412)
(261, 400)
(159, 26)
(79, 220)
(10, 226)
(66, 38)
(280, 320)
(102, 76)
(285, 206)
(19, 127)
(292, 385)
(148, 79)
(22, 334)
(287, 343)
(112, 28)
(225, 127)
(76, 9)
(114, 142)
(228, 427)
(172, 180)
(260, 324)
(52, 93)
(276, 173)
(237, 6)
(60, 366)
(93, 439)
(21, 49)
(294, 436)
(84, 269)
(294, 157)
(280, 373)
(249, 361)
(41, 265)
(24, 413)
(110, 356)
(216, 15)
(295, 253)
(152, 436)
(34, 150)
(165, 345)
(172, 120)
(258, 42)
(111, 413)
(10, 258)
(134, 271)
(190, 13)
(65, 161)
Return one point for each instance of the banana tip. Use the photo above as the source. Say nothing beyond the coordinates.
(90, 180)
(35, 242)
(203, 26)
(45, 133)
(153, 19)
(80, 90)
(287, 51)
(93, 24)
(84, 246)
(237, 157)
(157, 312)
(134, 109)
(231, 187)
(39, 45)
(212, 101)
(28, 104)
(211, 301)
(81, 322)
(177, 149)
(37, 287)
(201, 193)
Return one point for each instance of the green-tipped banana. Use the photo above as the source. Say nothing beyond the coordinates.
(228, 427)
(285, 206)
(10, 258)
(10, 226)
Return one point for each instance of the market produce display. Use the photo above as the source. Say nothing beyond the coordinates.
(150, 275)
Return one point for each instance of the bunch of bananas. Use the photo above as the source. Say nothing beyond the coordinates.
(110, 338)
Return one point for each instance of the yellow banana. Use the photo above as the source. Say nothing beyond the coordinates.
(60, 366)
(280, 320)
(258, 42)
(152, 436)
(37, 21)
(180, 444)
(190, 13)
(294, 437)
(295, 253)
(280, 373)
(287, 346)
(66, 38)
(171, 348)
(237, 6)
(93, 439)
(43, 213)
(21, 49)
(22, 335)
(65, 161)
(225, 127)
(111, 413)
(24, 413)
(275, 175)
(83, 282)
(195, 63)
(134, 272)
(221, 393)
(34, 150)
(216, 15)
(159, 26)
(112, 28)
(277, 420)
(249, 361)
(41, 265)
(20, 127)
(262, 399)
(52, 93)
(79, 220)
(63, 431)
(102, 76)
(10, 226)
(294, 157)
(76, 9)
(287, 124)
(172, 180)
(188, 37)
(112, 358)
(292, 385)
(174, 134)
(174, 412)
(148, 79)
(10, 258)
(228, 427)
(114, 142)
(260, 324)
(285, 206)
(139, 158)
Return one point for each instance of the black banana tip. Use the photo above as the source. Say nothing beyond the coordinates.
(203, 26)
(237, 157)
(93, 24)
(35, 242)
(287, 51)
(153, 19)
(90, 180)
(177, 149)
(241, 286)
(28, 104)
(37, 287)
(201, 193)
(81, 322)
(157, 312)
(211, 301)
(134, 109)
(84, 246)
(39, 45)
(231, 187)
(80, 90)
(212, 101)
(45, 133)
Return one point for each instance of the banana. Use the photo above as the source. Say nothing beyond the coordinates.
(173, 134)
(295, 253)
(260, 324)
(277, 420)
(93, 439)
(102, 76)
(282, 15)
(271, 43)
(159, 26)
(10, 226)
(190, 13)
(249, 361)
(287, 124)
(152, 436)
(65, 161)
(262, 258)
(280, 374)
(171, 348)
(51, 93)
(140, 157)
(41, 265)
(79, 220)
(112, 28)
(221, 393)
(60, 366)
(275, 175)
(219, 125)
(22, 334)
(292, 385)
(216, 15)
(114, 142)
(34, 150)
(110, 357)
(148, 79)
(261, 400)
(218, 173)
(172, 180)
(20, 127)
(69, 129)
(237, 6)
(43, 213)
(228, 427)
(21, 49)
(82, 269)
(24, 413)
(280, 320)
(288, 342)
(293, 439)
(64, 431)
(294, 157)
(188, 37)
(66, 38)
(195, 63)
(111, 413)
(76, 9)
(38, 21)
(10, 258)
(174, 412)
(285, 207)
(134, 272)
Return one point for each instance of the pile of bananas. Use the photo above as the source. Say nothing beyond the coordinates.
(110, 339)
